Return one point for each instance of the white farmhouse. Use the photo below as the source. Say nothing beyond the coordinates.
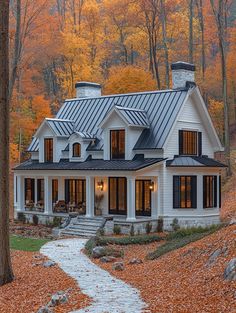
(126, 159)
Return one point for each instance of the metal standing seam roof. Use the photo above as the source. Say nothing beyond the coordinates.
(134, 117)
(91, 165)
(34, 145)
(193, 161)
(159, 109)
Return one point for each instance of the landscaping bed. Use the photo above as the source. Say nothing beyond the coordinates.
(29, 230)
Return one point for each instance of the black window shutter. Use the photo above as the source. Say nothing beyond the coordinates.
(204, 191)
(32, 189)
(180, 142)
(194, 191)
(176, 192)
(67, 190)
(220, 191)
(215, 191)
(199, 143)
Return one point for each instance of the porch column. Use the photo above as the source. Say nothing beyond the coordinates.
(61, 192)
(20, 193)
(47, 195)
(89, 196)
(131, 199)
(155, 199)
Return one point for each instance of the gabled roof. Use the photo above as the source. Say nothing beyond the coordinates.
(193, 161)
(132, 117)
(161, 108)
(61, 127)
(34, 146)
(85, 135)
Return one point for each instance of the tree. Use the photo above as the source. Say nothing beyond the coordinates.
(6, 274)
(220, 19)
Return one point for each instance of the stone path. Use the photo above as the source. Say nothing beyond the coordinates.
(108, 294)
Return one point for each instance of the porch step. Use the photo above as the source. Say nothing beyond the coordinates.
(83, 226)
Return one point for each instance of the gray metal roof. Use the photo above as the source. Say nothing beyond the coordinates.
(134, 117)
(161, 109)
(62, 127)
(193, 161)
(90, 165)
(85, 135)
(34, 145)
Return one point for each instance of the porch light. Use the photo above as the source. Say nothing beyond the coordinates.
(151, 186)
(100, 185)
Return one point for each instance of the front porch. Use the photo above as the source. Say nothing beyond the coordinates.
(124, 198)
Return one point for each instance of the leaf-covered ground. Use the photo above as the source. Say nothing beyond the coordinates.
(180, 281)
(34, 285)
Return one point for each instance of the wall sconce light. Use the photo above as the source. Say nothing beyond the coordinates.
(100, 185)
(151, 186)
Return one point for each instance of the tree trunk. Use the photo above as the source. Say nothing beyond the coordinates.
(164, 38)
(6, 274)
(201, 22)
(220, 22)
(190, 31)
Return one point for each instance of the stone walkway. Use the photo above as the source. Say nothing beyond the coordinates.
(108, 294)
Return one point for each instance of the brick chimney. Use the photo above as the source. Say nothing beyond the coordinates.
(183, 75)
(88, 90)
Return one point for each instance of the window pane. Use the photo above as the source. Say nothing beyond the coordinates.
(48, 150)
(189, 142)
(121, 194)
(112, 186)
(209, 192)
(184, 191)
(54, 190)
(139, 193)
(117, 142)
(76, 150)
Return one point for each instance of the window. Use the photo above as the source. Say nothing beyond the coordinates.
(117, 144)
(40, 189)
(29, 190)
(54, 190)
(76, 150)
(117, 195)
(184, 192)
(143, 197)
(48, 150)
(75, 191)
(209, 191)
(190, 142)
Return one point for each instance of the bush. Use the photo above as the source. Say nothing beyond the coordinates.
(35, 220)
(116, 230)
(132, 230)
(56, 221)
(160, 225)
(129, 240)
(21, 217)
(148, 228)
(101, 232)
(91, 243)
(175, 224)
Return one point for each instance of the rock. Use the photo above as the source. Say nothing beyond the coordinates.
(44, 309)
(118, 266)
(230, 270)
(135, 261)
(107, 259)
(213, 257)
(49, 264)
(233, 221)
(98, 252)
(58, 298)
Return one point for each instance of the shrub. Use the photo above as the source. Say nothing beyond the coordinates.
(129, 240)
(35, 220)
(148, 228)
(56, 221)
(91, 243)
(160, 225)
(21, 217)
(116, 230)
(175, 224)
(101, 232)
(132, 230)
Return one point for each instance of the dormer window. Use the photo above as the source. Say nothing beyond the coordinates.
(77, 150)
(117, 144)
(48, 150)
(190, 142)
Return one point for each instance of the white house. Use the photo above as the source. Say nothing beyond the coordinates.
(131, 158)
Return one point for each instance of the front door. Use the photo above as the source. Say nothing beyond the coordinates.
(117, 195)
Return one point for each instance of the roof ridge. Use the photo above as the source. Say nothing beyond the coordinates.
(130, 109)
(58, 119)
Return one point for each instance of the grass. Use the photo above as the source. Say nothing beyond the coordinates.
(26, 244)
(182, 238)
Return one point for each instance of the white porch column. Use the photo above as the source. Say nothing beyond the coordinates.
(89, 196)
(61, 187)
(47, 195)
(131, 199)
(155, 199)
(20, 187)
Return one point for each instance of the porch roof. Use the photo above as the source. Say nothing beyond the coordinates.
(91, 164)
(193, 161)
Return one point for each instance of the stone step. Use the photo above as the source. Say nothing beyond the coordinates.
(79, 223)
(82, 227)
(78, 233)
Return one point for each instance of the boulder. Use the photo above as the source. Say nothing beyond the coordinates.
(118, 266)
(98, 252)
(135, 261)
(230, 270)
(107, 259)
(44, 309)
(213, 257)
(49, 264)
(58, 298)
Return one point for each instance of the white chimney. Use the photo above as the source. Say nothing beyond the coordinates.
(88, 90)
(183, 75)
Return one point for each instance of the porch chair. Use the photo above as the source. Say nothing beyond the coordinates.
(29, 205)
(60, 207)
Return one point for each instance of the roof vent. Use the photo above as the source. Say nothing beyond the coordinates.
(88, 90)
(183, 75)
